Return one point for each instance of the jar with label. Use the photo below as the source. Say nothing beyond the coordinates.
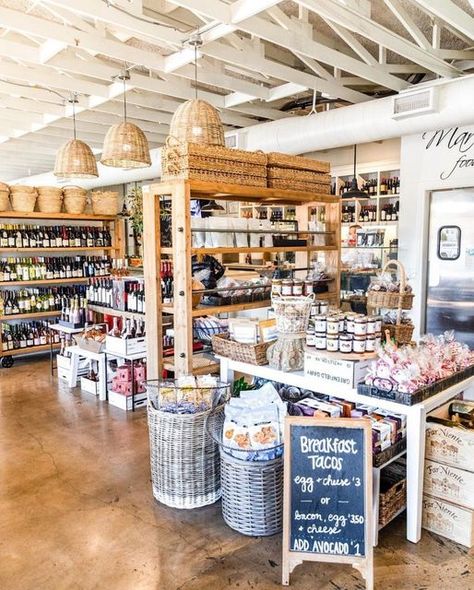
(323, 306)
(332, 343)
(310, 339)
(378, 338)
(350, 323)
(320, 323)
(371, 325)
(342, 324)
(333, 324)
(358, 344)
(308, 287)
(297, 289)
(287, 287)
(378, 323)
(276, 287)
(320, 340)
(345, 343)
(370, 343)
(360, 326)
(314, 309)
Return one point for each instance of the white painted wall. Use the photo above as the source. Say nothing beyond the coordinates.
(430, 161)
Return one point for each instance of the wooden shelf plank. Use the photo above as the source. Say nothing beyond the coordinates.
(38, 215)
(202, 365)
(237, 192)
(234, 250)
(7, 284)
(24, 316)
(30, 349)
(116, 312)
(213, 309)
(75, 249)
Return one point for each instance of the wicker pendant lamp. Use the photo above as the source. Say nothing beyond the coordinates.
(196, 121)
(125, 145)
(75, 158)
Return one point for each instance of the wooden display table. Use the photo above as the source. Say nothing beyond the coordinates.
(416, 421)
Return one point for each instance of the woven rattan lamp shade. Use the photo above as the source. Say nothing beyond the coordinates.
(125, 146)
(196, 121)
(75, 160)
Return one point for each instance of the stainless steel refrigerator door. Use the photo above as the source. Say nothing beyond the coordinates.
(450, 278)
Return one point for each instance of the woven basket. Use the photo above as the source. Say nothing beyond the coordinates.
(23, 198)
(297, 185)
(50, 199)
(280, 160)
(192, 161)
(393, 492)
(75, 159)
(401, 333)
(4, 197)
(125, 146)
(185, 468)
(105, 203)
(298, 175)
(292, 313)
(252, 491)
(199, 122)
(75, 199)
(390, 300)
(254, 354)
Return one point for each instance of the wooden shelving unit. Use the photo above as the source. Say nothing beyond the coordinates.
(116, 228)
(180, 193)
(116, 312)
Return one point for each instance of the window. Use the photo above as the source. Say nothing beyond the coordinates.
(449, 242)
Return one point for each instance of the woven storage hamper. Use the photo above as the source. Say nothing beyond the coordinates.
(252, 491)
(185, 468)
(105, 203)
(75, 199)
(50, 199)
(392, 300)
(23, 198)
(254, 354)
(199, 122)
(4, 197)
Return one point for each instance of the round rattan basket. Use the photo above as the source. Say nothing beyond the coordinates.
(125, 146)
(4, 197)
(196, 121)
(185, 469)
(23, 198)
(50, 199)
(388, 299)
(252, 491)
(75, 159)
(75, 199)
(105, 203)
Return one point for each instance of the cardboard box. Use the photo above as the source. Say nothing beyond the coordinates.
(449, 483)
(448, 520)
(125, 347)
(124, 402)
(333, 375)
(89, 386)
(452, 446)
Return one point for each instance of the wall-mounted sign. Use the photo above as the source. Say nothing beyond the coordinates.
(458, 145)
(449, 242)
(327, 514)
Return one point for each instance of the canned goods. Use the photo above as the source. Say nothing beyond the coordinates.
(320, 340)
(310, 339)
(358, 344)
(332, 343)
(320, 323)
(297, 289)
(287, 287)
(360, 326)
(370, 344)
(333, 325)
(308, 287)
(345, 343)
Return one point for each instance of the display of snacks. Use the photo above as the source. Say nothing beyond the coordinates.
(188, 394)
(93, 338)
(386, 292)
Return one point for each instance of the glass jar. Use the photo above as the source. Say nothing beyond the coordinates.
(358, 344)
(323, 306)
(276, 287)
(371, 325)
(378, 323)
(320, 324)
(342, 324)
(370, 343)
(360, 326)
(297, 289)
(320, 340)
(287, 287)
(310, 339)
(350, 323)
(314, 309)
(332, 324)
(308, 287)
(378, 338)
(345, 343)
(332, 343)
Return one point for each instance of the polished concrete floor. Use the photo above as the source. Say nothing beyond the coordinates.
(77, 513)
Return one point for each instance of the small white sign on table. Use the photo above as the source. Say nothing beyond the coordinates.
(334, 373)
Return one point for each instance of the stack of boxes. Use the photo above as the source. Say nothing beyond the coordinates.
(120, 393)
(448, 501)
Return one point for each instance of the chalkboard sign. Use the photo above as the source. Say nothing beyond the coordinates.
(328, 490)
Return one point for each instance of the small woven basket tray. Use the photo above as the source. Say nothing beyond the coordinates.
(393, 493)
(280, 160)
(254, 354)
(401, 333)
(388, 299)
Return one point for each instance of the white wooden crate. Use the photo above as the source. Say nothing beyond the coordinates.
(126, 347)
(124, 402)
(449, 483)
(448, 520)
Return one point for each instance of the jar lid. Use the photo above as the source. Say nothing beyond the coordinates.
(320, 317)
(310, 331)
(360, 338)
(287, 281)
(320, 334)
(333, 336)
(345, 337)
(360, 320)
(276, 280)
(298, 281)
(370, 337)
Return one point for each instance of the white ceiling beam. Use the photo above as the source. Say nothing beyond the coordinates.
(31, 106)
(49, 49)
(406, 20)
(455, 53)
(285, 90)
(300, 44)
(19, 51)
(243, 9)
(447, 11)
(353, 43)
(357, 23)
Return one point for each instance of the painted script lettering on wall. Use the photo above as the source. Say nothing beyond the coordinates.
(455, 141)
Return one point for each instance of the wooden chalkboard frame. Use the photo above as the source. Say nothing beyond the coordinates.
(291, 559)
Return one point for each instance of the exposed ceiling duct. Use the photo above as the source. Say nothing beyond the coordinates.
(355, 124)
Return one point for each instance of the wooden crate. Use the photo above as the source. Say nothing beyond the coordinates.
(452, 446)
(448, 520)
(449, 483)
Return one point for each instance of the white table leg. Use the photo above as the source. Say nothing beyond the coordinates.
(102, 378)
(73, 370)
(416, 418)
(376, 503)
(227, 374)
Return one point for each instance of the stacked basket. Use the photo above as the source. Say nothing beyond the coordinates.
(23, 198)
(105, 203)
(297, 173)
(4, 197)
(50, 199)
(75, 199)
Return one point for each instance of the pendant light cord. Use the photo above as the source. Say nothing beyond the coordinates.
(73, 100)
(195, 70)
(355, 159)
(124, 99)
